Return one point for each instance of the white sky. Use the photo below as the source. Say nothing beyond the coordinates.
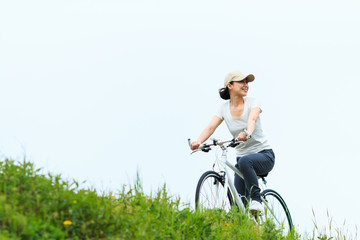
(95, 90)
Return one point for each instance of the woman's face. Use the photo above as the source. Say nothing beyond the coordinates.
(240, 87)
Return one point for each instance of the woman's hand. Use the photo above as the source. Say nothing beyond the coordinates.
(242, 137)
(195, 145)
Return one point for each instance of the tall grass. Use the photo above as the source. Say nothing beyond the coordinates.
(45, 206)
(331, 230)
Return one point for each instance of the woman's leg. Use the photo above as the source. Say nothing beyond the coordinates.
(251, 166)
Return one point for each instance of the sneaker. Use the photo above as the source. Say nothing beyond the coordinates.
(256, 208)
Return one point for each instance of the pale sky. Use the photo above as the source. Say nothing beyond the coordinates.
(97, 90)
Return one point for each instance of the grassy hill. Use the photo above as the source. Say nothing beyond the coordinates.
(45, 206)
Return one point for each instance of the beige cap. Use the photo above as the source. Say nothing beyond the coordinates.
(237, 76)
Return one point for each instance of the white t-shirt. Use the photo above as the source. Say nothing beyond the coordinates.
(258, 141)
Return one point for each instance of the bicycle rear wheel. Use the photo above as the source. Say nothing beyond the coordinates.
(211, 192)
(276, 209)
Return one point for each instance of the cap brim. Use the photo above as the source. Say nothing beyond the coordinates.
(250, 77)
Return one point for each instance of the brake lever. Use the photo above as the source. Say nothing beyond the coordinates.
(202, 147)
(205, 149)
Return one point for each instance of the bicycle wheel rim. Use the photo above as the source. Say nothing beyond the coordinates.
(211, 193)
(277, 210)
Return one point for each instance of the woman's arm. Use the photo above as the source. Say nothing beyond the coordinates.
(207, 132)
(253, 116)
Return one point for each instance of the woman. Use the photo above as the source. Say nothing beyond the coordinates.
(241, 115)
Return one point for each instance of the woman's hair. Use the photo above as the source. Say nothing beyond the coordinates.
(224, 92)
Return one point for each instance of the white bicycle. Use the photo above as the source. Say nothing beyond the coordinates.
(216, 190)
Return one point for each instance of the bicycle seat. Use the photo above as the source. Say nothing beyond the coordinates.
(262, 176)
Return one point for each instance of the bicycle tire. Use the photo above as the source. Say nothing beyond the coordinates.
(210, 192)
(279, 211)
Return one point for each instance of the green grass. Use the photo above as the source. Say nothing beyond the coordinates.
(45, 206)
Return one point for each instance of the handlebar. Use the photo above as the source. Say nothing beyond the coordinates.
(215, 142)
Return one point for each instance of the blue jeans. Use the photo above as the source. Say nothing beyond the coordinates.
(251, 166)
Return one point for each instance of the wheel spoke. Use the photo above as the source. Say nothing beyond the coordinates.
(211, 192)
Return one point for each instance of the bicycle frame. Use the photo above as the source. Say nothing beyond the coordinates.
(225, 166)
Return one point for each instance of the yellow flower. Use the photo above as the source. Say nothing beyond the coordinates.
(74, 202)
(227, 224)
(67, 222)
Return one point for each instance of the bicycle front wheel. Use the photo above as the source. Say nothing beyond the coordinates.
(276, 209)
(211, 192)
